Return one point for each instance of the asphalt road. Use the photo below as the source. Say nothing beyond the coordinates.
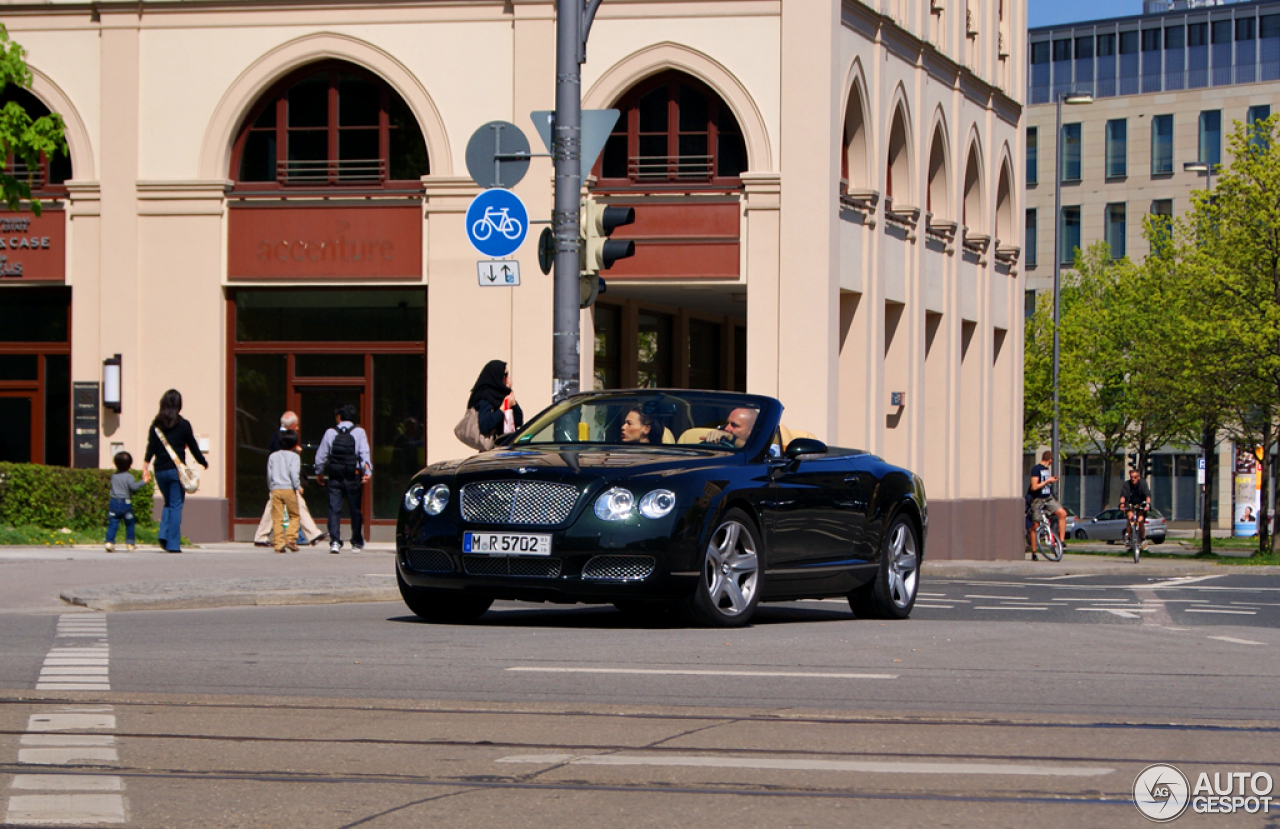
(1003, 701)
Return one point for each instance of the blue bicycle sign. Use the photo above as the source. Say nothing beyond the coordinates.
(497, 223)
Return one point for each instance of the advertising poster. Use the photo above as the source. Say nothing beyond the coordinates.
(1247, 489)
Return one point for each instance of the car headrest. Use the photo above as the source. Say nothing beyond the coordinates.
(668, 436)
(702, 434)
(789, 435)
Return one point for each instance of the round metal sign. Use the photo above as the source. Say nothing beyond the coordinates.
(489, 152)
(497, 223)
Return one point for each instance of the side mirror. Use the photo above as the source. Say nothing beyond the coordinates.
(805, 446)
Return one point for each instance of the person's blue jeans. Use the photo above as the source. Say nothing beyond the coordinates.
(119, 510)
(171, 490)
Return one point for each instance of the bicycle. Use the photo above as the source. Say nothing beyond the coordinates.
(1047, 542)
(1132, 541)
(496, 219)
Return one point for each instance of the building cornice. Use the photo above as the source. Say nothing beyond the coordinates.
(939, 65)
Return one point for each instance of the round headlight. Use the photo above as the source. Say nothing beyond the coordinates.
(615, 504)
(413, 498)
(658, 503)
(436, 500)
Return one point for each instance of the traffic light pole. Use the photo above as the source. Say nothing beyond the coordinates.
(566, 149)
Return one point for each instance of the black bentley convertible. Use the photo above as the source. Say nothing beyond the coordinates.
(651, 498)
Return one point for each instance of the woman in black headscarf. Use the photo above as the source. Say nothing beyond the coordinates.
(491, 395)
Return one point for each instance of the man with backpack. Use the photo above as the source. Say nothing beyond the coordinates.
(342, 464)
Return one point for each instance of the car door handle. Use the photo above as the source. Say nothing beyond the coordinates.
(851, 479)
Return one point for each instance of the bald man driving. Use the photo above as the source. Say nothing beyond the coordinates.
(739, 426)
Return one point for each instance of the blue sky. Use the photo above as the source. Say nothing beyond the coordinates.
(1052, 12)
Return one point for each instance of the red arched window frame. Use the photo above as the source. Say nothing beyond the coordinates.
(367, 137)
(49, 177)
(674, 133)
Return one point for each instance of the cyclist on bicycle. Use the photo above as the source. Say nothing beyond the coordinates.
(1042, 499)
(1135, 500)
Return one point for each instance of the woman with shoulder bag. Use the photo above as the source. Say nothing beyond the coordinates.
(497, 412)
(168, 438)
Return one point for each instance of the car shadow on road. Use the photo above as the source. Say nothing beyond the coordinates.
(605, 617)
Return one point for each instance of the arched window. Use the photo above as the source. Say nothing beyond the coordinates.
(853, 161)
(973, 217)
(330, 124)
(674, 132)
(50, 174)
(1004, 206)
(938, 196)
(898, 169)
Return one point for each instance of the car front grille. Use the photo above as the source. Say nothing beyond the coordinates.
(517, 502)
(619, 568)
(428, 561)
(526, 567)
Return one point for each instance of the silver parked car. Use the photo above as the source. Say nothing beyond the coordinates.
(1108, 525)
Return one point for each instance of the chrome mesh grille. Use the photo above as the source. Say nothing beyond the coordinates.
(619, 568)
(428, 561)
(517, 502)
(527, 567)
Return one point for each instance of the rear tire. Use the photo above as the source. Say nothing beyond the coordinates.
(440, 606)
(1081, 535)
(1050, 546)
(892, 593)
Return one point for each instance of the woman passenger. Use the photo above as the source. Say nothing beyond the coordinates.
(638, 427)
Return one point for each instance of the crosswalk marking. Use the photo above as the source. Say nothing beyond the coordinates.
(57, 738)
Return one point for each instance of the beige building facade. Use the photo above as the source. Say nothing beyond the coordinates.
(264, 208)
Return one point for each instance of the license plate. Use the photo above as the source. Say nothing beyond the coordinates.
(506, 544)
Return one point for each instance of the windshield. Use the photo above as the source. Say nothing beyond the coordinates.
(702, 419)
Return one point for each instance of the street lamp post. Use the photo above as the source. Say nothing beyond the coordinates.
(1073, 99)
(1208, 436)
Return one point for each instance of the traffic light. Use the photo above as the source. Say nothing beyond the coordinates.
(599, 252)
(1133, 460)
(1146, 466)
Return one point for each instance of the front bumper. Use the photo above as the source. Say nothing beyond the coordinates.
(591, 560)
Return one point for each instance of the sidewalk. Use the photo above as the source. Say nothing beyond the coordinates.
(57, 580)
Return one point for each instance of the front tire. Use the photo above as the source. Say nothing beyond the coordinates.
(892, 593)
(440, 606)
(729, 587)
(1081, 535)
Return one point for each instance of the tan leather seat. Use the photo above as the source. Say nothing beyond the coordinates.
(700, 434)
(668, 436)
(789, 435)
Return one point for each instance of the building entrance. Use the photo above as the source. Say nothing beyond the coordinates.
(310, 351)
(19, 412)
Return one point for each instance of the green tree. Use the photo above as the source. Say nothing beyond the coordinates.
(1229, 247)
(22, 137)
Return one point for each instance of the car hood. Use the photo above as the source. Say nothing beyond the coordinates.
(579, 463)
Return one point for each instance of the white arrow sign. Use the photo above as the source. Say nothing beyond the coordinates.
(500, 272)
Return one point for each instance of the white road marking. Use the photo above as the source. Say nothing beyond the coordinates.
(56, 738)
(935, 606)
(1225, 612)
(1123, 614)
(73, 720)
(934, 595)
(68, 782)
(1259, 604)
(1089, 600)
(682, 672)
(1014, 607)
(810, 764)
(65, 755)
(67, 740)
(1181, 581)
(74, 670)
(1072, 576)
(64, 809)
(1235, 641)
(1005, 598)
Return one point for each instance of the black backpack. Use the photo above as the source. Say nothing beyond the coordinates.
(342, 455)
